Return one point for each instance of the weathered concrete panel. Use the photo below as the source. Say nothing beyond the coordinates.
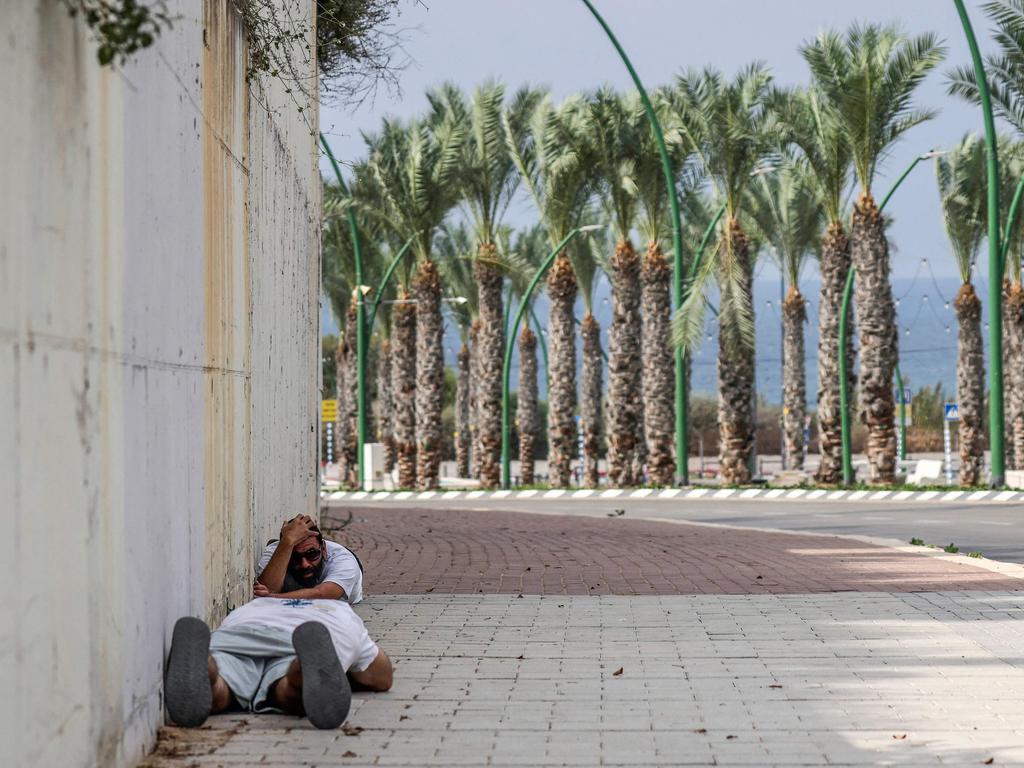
(143, 314)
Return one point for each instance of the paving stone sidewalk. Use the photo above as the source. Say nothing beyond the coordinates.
(860, 677)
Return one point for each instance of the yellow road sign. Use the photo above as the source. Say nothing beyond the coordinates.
(328, 410)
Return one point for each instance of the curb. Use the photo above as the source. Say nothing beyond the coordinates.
(686, 494)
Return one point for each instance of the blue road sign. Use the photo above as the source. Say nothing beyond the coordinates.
(952, 411)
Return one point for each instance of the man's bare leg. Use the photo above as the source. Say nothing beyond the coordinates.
(379, 676)
(286, 692)
(222, 696)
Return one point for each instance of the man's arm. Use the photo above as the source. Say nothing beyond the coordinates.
(326, 591)
(292, 532)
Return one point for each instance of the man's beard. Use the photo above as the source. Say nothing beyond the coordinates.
(294, 580)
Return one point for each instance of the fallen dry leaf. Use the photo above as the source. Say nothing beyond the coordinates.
(899, 736)
(701, 730)
(351, 730)
(520, 657)
(403, 717)
(617, 672)
(774, 685)
(730, 736)
(989, 761)
(350, 753)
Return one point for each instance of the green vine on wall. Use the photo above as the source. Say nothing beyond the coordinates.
(355, 43)
(121, 27)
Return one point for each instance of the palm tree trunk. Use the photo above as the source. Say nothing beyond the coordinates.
(876, 323)
(970, 385)
(562, 357)
(640, 453)
(403, 388)
(736, 374)
(1013, 355)
(462, 413)
(526, 405)
(347, 440)
(624, 373)
(658, 366)
(835, 266)
(385, 405)
(429, 375)
(474, 390)
(794, 388)
(590, 398)
(491, 350)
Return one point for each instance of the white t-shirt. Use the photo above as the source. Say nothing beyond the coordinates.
(352, 642)
(341, 568)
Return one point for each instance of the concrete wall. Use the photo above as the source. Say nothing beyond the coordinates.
(159, 361)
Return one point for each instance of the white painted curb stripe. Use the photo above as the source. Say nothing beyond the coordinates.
(878, 495)
(476, 494)
(642, 493)
(903, 495)
(952, 495)
(670, 493)
(696, 493)
(528, 493)
(554, 493)
(796, 493)
(927, 496)
(611, 493)
(501, 494)
(424, 495)
(856, 495)
(978, 495)
(835, 495)
(583, 493)
(337, 495)
(403, 495)
(456, 494)
(751, 493)
(1004, 496)
(724, 493)
(816, 494)
(774, 493)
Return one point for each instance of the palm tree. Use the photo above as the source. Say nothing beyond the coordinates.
(786, 211)
(339, 282)
(1006, 86)
(658, 368)
(614, 129)
(555, 164)
(810, 123)
(961, 178)
(455, 255)
(416, 170)
(726, 124)
(869, 79)
(588, 259)
(488, 179)
(527, 253)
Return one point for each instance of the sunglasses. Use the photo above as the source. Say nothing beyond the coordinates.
(310, 556)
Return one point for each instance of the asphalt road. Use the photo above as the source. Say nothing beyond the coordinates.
(994, 529)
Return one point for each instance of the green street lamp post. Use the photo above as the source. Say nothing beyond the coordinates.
(844, 331)
(510, 343)
(385, 280)
(995, 265)
(678, 294)
(360, 317)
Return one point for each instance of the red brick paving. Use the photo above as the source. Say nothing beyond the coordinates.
(415, 551)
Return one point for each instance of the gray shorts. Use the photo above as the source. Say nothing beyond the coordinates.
(251, 659)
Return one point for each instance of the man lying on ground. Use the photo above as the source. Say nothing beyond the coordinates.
(273, 655)
(302, 564)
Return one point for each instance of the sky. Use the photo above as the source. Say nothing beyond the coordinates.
(558, 44)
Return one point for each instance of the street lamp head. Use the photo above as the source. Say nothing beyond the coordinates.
(934, 153)
(592, 227)
(457, 299)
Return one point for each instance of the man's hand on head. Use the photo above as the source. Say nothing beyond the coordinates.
(297, 530)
